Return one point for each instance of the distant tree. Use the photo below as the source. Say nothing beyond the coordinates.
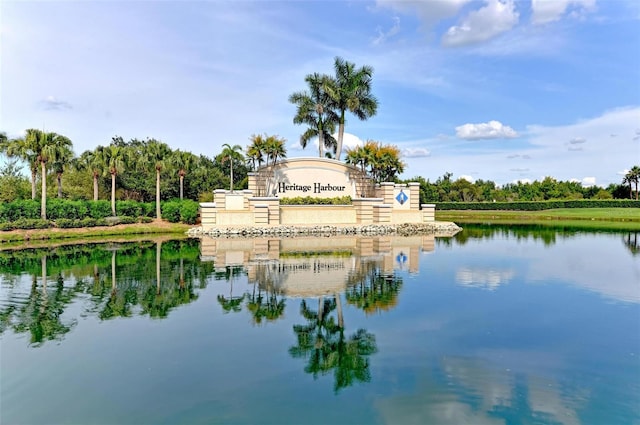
(62, 159)
(157, 153)
(256, 151)
(275, 148)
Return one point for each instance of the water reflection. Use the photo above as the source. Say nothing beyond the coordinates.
(106, 280)
(502, 328)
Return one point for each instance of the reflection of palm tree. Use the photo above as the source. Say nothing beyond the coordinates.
(232, 303)
(272, 307)
(323, 343)
(371, 290)
(631, 242)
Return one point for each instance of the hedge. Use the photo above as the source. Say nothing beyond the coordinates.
(185, 211)
(309, 200)
(538, 205)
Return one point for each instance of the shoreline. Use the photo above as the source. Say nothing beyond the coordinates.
(438, 228)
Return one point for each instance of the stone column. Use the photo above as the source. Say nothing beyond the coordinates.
(382, 214)
(208, 215)
(428, 213)
(387, 189)
(219, 197)
(414, 196)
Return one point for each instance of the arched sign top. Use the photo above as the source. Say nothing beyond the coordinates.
(314, 177)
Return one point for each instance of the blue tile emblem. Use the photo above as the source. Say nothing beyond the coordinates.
(402, 197)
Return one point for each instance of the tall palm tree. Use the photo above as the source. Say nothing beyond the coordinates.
(275, 149)
(314, 109)
(63, 158)
(114, 159)
(351, 91)
(183, 161)
(231, 153)
(47, 146)
(157, 153)
(635, 177)
(19, 148)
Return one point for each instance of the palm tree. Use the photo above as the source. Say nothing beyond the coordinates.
(183, 162)
(275, 149)
(231, 153)
(114, 159)
(91, 160)
(350, 91)
(63, 158)
(256, 150)
(19, 148)
(635, 177)
(313, 109)
(156, 153)
(47, 147)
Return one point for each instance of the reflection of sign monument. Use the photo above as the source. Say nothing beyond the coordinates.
(308, 267)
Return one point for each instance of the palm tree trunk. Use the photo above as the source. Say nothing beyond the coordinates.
(340, 135)
(340, 315)
(113, 194)
(34, 174)
(113, 271)
(320, 142)
(181, 186)
(231, 165)
(59, 180)
(158, 194)
(43, 196)
(158, 252)
(95, 186)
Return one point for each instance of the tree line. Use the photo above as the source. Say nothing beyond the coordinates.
(446, 189)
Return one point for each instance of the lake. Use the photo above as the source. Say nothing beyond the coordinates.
(495, 325)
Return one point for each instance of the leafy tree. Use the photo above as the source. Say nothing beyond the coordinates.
(313, 108)
(632, 177)
(13, 185)
(350, 91)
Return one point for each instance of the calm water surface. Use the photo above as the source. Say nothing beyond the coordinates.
(492, 326)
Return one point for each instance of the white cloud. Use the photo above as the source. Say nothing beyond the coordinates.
(496, 17)
(50, 103)
(577, 140)
(490, 130)
(384, 35)
(588, 181)
(545, 11)
(429, 12)
(467, 178)
(489, 279)
(416, 152)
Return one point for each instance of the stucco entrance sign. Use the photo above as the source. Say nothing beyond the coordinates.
(314, 177)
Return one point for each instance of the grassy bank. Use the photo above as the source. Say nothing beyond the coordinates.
(154, 228)
(586, 218)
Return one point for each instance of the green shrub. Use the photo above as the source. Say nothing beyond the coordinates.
(309, 200)
(142, 219)
(61, 208)
(99, 209)
(128, 220)
(171, 211)
(67, 223)
(189, 212)
(15, 210)
(27, 223)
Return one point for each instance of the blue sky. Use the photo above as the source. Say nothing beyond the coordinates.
(496, 90)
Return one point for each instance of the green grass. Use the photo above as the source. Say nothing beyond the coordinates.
(93, 232)
(583, 218)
